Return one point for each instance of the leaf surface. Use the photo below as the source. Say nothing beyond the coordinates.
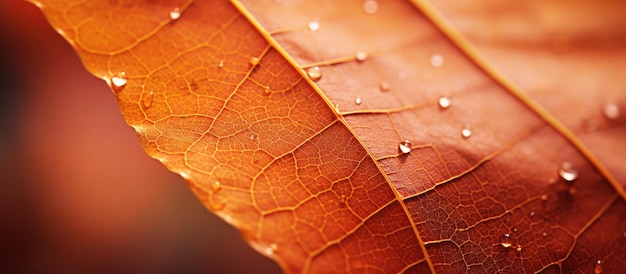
(510, 177)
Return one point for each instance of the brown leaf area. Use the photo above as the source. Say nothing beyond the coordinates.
(513, 176)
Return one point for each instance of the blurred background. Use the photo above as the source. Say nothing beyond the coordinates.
(77, 192)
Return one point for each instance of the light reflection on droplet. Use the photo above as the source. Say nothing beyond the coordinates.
(370, 6)
(506, 240)
(360, 56)
(405, 146)
(271, 249)
(444, 102)
(544, 197)
(358, 101)
(436, 60)
(568, 172)
(119, 80)
(544, 234)
(611, 111)
(466, 132)
(147, 99)
(254, 61)
(267, 90)
(175, 13)
(314, 73)
(314, 25)
(598, 269)
(518, 248)
(220, 64)
(337, 108)
(532, 213)
(216, 186)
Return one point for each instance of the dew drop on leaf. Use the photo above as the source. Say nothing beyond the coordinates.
(384, 86)
(598, 269)
(175, 13)
(216, 186)
(119, 81)
(314, 25)
(405, 146)
(271, 249)
(337, 109)
(254, 61)
(444, 102)
(252, 137)
(436, 60)
(544, 197)
(506, 240)
(342, 199)
(358, 101)
(531, 214)
(146, 101)
(568, 172)
(314, 73)
(220, 64)
(267, 90)
(544, 234)
(611, 111)
(466, 132)
(370, 6)
(360, 56)
(518, 248)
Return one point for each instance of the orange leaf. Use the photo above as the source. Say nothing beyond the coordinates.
(381, 136)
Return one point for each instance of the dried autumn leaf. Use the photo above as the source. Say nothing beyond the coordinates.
(404, 150)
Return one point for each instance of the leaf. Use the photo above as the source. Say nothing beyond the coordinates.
(510, 177)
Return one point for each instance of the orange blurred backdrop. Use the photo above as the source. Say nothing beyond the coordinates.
(78, 194)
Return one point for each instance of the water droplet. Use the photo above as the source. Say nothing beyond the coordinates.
(218, 206)
(175, 13)
(544, 234)
(146, 101)
(119, 81)
(337, 109)
(532, 213)
(506, 240)
(518, 248)
(568, 172)
(384, 86)
(271, 249)
(358, 101)
(267, 90)
(216, 186)
(466, 132)
(436, 60)
(370, 6)
(544, 197)
(360, 56)
(405, 146)
(254, 61)
(342, 199)
(515, 229)
(220, 64)
(314, 73)
(314, 25)
(444, 102)
(598, 269)
(252, 136)
(611, 111)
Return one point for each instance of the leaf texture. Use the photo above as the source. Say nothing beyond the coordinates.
(515, 175)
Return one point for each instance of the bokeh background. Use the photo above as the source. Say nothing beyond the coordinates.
(77, 192)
